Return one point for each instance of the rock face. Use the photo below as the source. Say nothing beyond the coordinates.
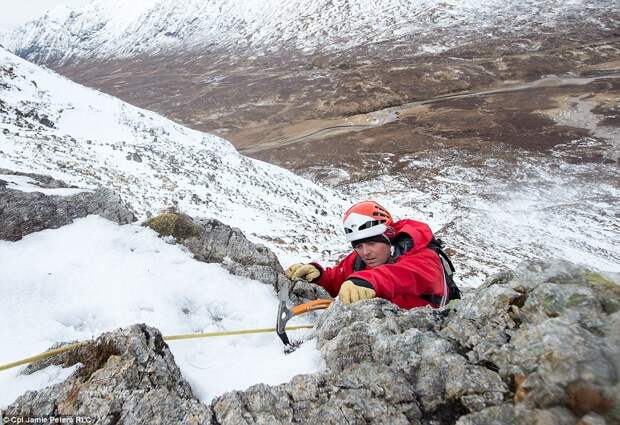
(212, 241)
(540, 345)
(22, 213)
(129, 376)
(220, 243)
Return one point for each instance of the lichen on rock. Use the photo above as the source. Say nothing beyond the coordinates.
(179, 226)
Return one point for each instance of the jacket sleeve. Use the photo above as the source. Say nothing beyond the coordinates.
(413, 274)
(332, 277)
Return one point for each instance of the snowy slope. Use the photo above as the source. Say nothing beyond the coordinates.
(94, 276)
(512, 209)
(104, 28)
(50, 125)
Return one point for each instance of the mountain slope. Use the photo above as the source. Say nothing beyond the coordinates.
(53, 126)
(456, 162)
(108, 29)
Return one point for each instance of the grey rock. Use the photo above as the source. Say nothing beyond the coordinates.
(551, 330)
(365, 394)
(301, 291)
(518, 414)
(212, 241)
(46, 182)
(538, 345)
(380, 369)
(220, 243)
(127, 376)
(22, 213)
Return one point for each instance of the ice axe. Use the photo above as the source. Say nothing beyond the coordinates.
(285, 314)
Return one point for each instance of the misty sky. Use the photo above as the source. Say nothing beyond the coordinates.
(16, 12)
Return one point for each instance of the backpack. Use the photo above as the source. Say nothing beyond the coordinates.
(454, 293)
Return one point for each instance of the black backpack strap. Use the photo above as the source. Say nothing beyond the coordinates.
(402, 244)
(437, 246)
(454, 293)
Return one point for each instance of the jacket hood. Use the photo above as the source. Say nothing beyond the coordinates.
(420, 233)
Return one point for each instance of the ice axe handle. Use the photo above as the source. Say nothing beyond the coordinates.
(310, 306)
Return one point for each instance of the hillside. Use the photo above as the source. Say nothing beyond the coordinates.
(53, 126)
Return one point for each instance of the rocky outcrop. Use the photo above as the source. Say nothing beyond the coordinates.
(128, 376)
(212, 241)
(552, 333)
(539, 345)
(45, 182)
(227, 245)
(22, 213)
(301, 291)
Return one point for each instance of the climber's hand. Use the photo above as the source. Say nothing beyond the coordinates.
(302, 271)
(350, 293)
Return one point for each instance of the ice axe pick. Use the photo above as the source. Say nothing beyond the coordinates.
(285, 314)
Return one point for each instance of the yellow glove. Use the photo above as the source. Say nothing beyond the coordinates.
(302, 271)
(350, 293)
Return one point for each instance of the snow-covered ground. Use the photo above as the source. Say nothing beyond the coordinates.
(50, 125)
(109, 28)
(510, 209)
(494, 215)
(93, 276)
(78, 281)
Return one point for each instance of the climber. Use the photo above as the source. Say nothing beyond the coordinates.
(395, 260)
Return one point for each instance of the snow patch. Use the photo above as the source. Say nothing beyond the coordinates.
(12, 384)
(94, 276)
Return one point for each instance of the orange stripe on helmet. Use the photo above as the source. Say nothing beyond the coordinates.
(371, 209)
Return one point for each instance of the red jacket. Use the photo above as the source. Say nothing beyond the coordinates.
(415, 273)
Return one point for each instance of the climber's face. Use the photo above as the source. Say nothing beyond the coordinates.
(373, 253)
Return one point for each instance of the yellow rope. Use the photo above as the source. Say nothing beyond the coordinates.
(41, 356)
(53, 352)
(226, 333)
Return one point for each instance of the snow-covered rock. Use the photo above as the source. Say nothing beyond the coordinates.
(212, 241)
(93, 276)
(28, 207)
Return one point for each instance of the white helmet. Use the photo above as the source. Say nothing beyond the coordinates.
(367, 219)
